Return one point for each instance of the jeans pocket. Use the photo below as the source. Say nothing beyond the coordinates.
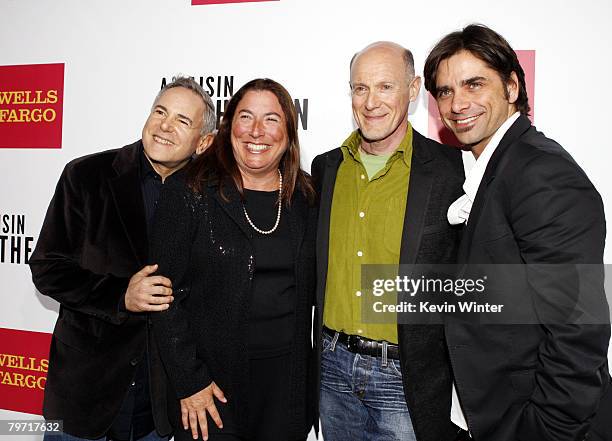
(394, 366)
(326, 342)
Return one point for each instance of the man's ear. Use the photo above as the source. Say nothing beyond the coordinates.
(205, 142)
(512, 88)
(414, 87)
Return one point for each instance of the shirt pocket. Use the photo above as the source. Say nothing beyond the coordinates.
(394, 224)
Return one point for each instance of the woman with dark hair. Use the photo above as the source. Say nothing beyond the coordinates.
(237, 242)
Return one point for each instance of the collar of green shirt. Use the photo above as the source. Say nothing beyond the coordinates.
(351, 146)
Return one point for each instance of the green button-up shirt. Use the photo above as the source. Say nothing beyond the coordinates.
(367, 219)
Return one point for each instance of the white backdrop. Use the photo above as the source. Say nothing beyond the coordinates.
(117, 52)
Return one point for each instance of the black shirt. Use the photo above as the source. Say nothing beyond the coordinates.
(271, 321)
(135, 414)
(151, 185)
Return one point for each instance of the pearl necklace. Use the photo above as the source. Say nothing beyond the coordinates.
(278, 214)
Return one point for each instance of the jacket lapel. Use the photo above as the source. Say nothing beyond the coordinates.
(419, 189)
(520, 126)
(233, 206)
(127, 196)
(332, 162)
(297, 215)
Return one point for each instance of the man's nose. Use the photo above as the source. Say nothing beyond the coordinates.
(460, 102)
(167, 124)
(372, 100)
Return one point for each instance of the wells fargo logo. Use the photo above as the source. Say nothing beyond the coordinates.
(25, 114)
(436, 129)
(24, 360)
(28, 364)
(31, 106)
(217, 2)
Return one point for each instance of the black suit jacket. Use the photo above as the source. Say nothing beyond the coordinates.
(93, 240)
(436, 177)
(534, 381)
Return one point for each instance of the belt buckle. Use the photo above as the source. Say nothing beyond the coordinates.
(352, 343)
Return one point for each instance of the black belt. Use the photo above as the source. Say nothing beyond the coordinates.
(364, 346)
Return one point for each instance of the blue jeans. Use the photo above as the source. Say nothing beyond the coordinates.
(153, 436)
(361, 400)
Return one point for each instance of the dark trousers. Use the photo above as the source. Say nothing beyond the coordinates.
(227, 437)
(268, 419)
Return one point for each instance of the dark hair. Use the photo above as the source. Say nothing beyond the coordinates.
(486, 45)
(218, 161)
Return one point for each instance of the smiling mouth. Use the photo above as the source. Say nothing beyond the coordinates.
(465, 124)
(374, 117)
(466, 121)
(161, 140)
(257, 148)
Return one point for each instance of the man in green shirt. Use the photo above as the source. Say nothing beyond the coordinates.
(384, 197)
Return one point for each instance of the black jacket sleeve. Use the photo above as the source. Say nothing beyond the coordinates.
(177, 218)
(557, 218)
(59, 264)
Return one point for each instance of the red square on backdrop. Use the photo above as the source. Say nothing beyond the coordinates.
(217, 2)
(24, 359)
(31, 106)
(438, 132)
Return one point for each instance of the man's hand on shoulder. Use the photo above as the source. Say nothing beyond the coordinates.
(147, 293)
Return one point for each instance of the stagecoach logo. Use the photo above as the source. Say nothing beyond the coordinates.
(436, 129)
(24, 361)
(31, 106)
(217, 2)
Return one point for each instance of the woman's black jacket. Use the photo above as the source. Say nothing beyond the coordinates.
(202, 243)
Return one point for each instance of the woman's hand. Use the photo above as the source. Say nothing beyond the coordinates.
(194, 408)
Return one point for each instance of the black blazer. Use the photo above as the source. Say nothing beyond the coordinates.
(203, 244)
(93, 240)
(436, 177)
(532, 382)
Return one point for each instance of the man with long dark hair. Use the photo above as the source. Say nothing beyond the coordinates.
(526, 203)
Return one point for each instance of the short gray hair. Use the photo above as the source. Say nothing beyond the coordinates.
(209, 117)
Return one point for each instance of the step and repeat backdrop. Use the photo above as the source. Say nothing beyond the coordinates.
(79, 77)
